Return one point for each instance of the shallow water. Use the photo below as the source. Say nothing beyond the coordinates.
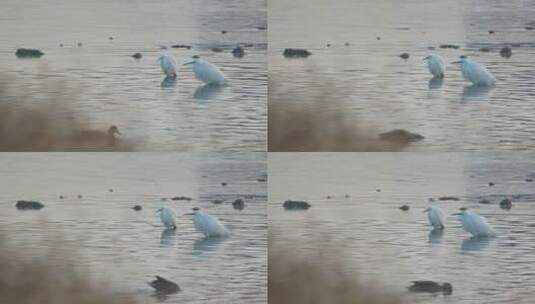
(102, 83)
(383, 91)
(370, 234)
(113, 243)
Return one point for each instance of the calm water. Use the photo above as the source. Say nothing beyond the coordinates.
(128, 248)
(383, 91)
(102, 83)
(394, 247)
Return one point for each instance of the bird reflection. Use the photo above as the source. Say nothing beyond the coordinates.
(435, 83)
(167, 239)
(476, 93)
(475, 243)
(206, 245)
(169, 82)
(435, 236)
(207, 91)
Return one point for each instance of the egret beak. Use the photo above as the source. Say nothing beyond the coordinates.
(426, 210)
(159, 210)
(191, 62)
(458, 213)
(425, 58)
(191, 213)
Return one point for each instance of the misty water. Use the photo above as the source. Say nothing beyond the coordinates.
(368, 233)
(116, 246)
(103, 85)
(369, 82)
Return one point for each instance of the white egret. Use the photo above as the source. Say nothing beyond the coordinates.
(475, 224)
(476, 72)
(167, 215)
(435, 64)
(207, 72)
(208, 224)
(168, 65)
(436, 217)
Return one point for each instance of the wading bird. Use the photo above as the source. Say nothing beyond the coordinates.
(208, 224)
(475, 72)
(435, 64)
(475, 224)
(168, 65)
(207, 72)
(436, 217)
(167, 215)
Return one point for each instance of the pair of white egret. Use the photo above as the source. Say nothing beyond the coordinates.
(472, 222)
(472, 71)
(205, 223)
(203, 70)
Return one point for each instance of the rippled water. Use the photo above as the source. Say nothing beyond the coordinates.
(128, 248)
(372, 235)
(105, 85)
(383, 91)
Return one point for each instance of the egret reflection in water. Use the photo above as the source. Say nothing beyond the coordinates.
(435, 83)
(207, 245)
(168, 82)
(475, 243)
(167, 238)
(207, 91)
(436, 236)
(476, 93)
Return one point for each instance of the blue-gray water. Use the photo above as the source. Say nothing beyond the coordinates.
(367, 231)
(373, 85)
(113, 243)
(102, 83)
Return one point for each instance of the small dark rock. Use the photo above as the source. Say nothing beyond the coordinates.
(506, 204)
(529, 28)
(485, 49)
(484, 201)
(61, 45)
(405, 207)
(137, 207)
(346, 44)
(377, 190)
(491, 32)
(217, 50)
(378, 38)
(431, 287)
(79, 44)
(110, 190)
(261, 180)
(238, 204)
(223, 32)
(110, 38)
(137, 55)
(449, 198)
(261, 28)
(29, 205)
(29, 53)
(295, 53)
(449, 46)
(164, 286)
(181, 46)
(61, 197)
(79, 196)
(529, 180)
(223, 184)
(217, 201)
(328, 45)
(238, 52)
(405, 55)
(491, 184)
(506, 52)
(347, 196)
(400, 136)
(296, 205)
(181, 198)
(463, 208)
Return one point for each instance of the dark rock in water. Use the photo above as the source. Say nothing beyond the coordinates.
(484, 201)
(346, 44)
(491, 184)
(377, 190)
(405, 55)
(164, 286)
(181, 46)
(238, 204)
(347, 196)
(329, 197)
(529, 180)
(261, 28)
(137, 207)
(110, 190)
(296, 205)
(449, 198)
(328, 45)
(217, 50)
(506, 52)
(506, 204)
(295, 53)
(110, 38)
(491, 32)
(217, 201)
(223, 32)
(181, 198)
(431, 287)
(529, 28)
(261, 180)
(61, 45)
(223, 184)
(61, 197)
(463, 208)
(29, 205)
(449, 46)
(137, 55)
(238, 52)
(485, 49)
(405, 207)
(79, 44)
(79, 196)
(378, 38)
(431, 48)
(401, 136)
(29, 53)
